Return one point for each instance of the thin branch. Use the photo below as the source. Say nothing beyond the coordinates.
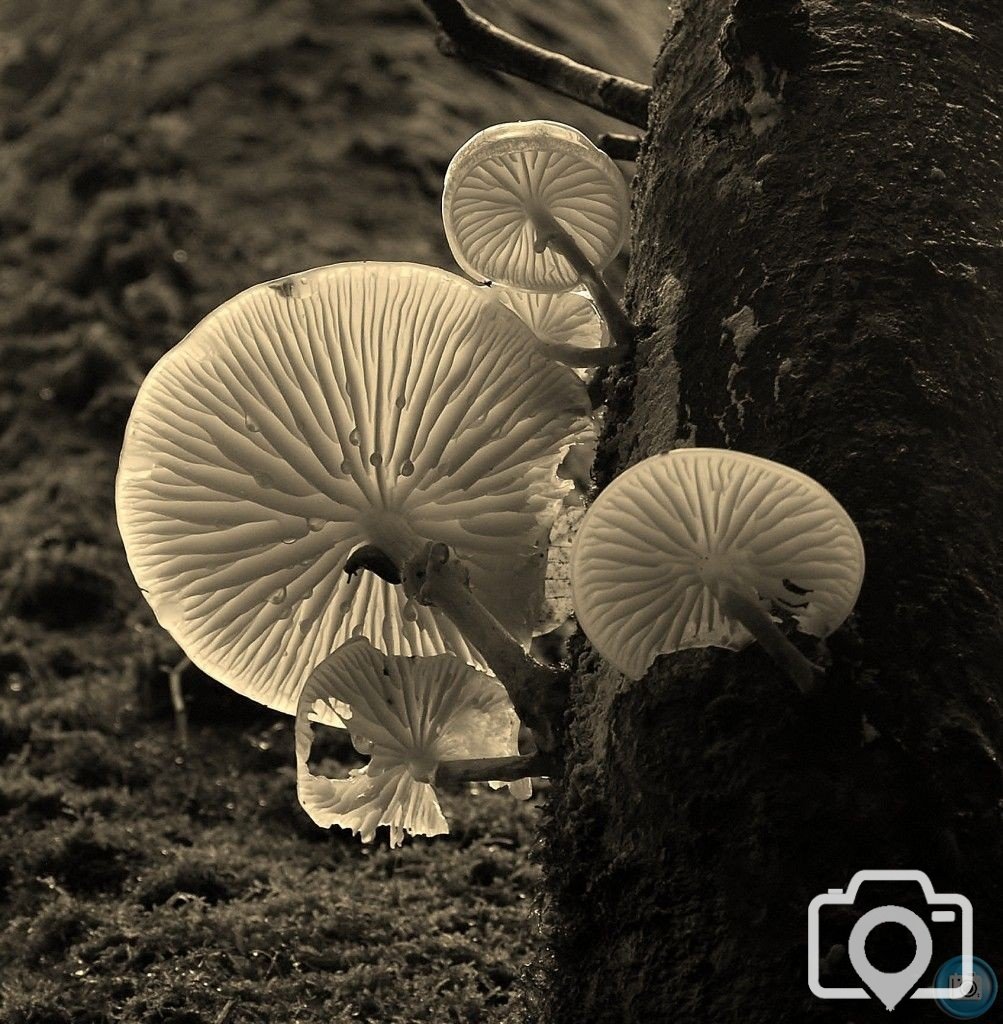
(620, 147)
(477, 41)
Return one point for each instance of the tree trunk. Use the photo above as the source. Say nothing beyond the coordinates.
(816, 271)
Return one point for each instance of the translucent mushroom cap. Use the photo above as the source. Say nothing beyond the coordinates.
(499, 177)
(658, 544)
(408, 715)
(566, 318)
(364, 403)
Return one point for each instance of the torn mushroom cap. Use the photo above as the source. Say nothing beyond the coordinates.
(500, 177)
(664, 537)
(408, 715)
(563, 318)
(365, 403)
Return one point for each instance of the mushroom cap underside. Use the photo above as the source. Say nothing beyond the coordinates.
(664, 537)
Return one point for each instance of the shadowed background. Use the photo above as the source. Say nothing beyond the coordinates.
(157, 158)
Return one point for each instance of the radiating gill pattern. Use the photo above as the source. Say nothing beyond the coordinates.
(659, 541)
(408, 715)
(502, 175)
(368, 403)
(564, 318)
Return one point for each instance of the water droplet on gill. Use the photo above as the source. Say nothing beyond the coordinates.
(289, 540)
(314, 524)
(346, 607)
(376, 459)
(264, 480)
(346, 467)
(305, 626)
(357, 631)
(400, 401)
(355, 437)
(277, 596)
(251, 426)
(407, 467)
(409, 613)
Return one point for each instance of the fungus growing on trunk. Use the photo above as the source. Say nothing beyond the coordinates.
(362, 404)
(696, 548)
(567, 324)
(415, 718)
(535, 205)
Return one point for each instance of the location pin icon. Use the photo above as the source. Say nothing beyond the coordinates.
(892, 987)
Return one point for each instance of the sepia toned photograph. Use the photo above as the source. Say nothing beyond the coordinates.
(501, 511)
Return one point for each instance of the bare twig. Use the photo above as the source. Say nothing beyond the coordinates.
(477, 41)
(178, 700)
(620, 147)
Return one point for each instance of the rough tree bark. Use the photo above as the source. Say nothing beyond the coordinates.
(816, 269)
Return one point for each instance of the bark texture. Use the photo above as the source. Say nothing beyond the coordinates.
(816, 270)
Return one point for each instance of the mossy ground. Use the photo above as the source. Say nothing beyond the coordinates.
(156, 159)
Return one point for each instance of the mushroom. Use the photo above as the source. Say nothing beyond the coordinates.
(534, 205)
(420, 720)
(697, 547)
(567, 324)
(361, 404)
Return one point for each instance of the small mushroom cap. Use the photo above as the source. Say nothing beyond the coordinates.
(564, 318)
(409, 715)
(497, 179)
(661, 540)
(364, 403)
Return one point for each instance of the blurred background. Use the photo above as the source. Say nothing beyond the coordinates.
(158, 156)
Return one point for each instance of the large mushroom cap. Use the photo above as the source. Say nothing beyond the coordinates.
(661, 541)
(499, 177)
(409, 715)
(365, 403)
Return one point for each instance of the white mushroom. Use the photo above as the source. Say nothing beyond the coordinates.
(365, 403)
(409, 715)
(567, 324)
(534, 205)
(695, 549)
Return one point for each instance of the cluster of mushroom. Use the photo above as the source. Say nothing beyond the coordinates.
(337, 494)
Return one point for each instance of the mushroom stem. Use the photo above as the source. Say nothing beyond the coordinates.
(495, 769)
(538, 693)
(550, 233)
(749, 612)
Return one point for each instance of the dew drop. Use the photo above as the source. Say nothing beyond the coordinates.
(264, 480)
(346, 467)
(314, 524)
(305, 626)
(277, 596)
(355, 437)
(409, 613)
(251, 426)
(376, 459)
(400, 401)
(289, 540)
(357, 631)
(346, 607)
(407, 467)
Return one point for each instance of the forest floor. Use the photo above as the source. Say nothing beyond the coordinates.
(159, 156)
